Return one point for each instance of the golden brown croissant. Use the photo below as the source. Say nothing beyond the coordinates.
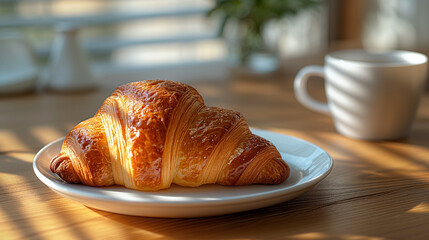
(153, 133)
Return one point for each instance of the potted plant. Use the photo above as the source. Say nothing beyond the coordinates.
(246, 20)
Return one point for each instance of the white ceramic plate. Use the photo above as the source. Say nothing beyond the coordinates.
(309, 165)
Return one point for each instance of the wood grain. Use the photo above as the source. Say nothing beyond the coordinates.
(377, 190)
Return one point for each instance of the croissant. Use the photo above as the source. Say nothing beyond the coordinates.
(150, 134)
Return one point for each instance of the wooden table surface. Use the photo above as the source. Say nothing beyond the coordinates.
(377, 190)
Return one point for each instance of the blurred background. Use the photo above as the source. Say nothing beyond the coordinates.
(206, 39)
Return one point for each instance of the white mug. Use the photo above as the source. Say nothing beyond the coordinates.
(371, 95)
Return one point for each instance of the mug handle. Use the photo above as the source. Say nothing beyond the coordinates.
(300, 86)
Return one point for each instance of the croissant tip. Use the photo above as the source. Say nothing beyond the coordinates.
(274, 172)
(60, 165)
(56, 161)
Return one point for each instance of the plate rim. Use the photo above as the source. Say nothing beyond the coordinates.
(65, 189)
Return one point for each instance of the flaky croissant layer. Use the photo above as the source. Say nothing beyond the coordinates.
(150, 134)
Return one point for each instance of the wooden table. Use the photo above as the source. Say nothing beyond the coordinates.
(377, 190)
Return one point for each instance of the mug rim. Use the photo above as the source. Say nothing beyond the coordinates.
(417, 58)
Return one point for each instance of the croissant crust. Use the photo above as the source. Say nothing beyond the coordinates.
(150, 134)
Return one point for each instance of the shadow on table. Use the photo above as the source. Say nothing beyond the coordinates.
(13, 209)
(336, 208)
